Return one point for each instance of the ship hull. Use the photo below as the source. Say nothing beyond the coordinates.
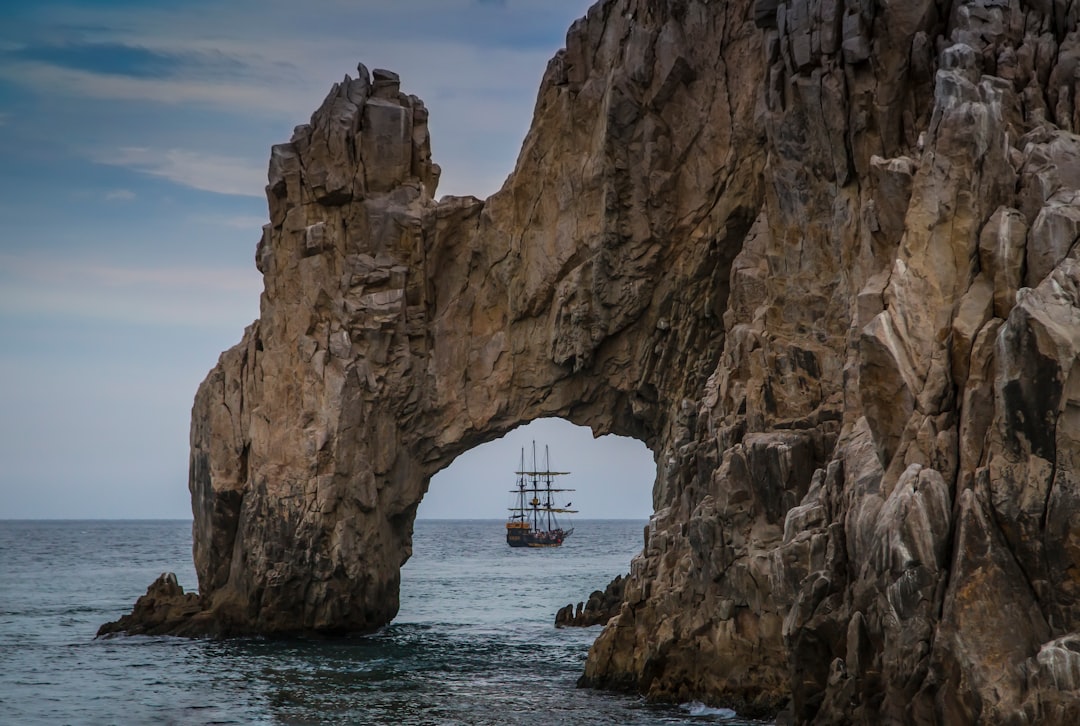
(520, 537)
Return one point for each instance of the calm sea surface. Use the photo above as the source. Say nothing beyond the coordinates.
(472, 644)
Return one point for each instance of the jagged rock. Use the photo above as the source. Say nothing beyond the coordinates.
(601, 607)
(820, 257)
(1053, 233)
(1002, 244)
(165, 609)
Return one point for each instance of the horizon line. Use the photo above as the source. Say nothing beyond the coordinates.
(191, 519)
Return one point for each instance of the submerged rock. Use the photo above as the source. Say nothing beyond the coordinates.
(820, 257)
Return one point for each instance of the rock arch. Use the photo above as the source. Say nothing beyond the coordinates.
(397, 332)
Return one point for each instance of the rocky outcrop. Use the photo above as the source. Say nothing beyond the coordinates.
(601, 607)
(819, 256)
(165, 609)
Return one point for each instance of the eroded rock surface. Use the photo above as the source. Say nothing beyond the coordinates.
(819, 256)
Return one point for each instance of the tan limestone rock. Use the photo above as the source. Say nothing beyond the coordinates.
(1002, 244)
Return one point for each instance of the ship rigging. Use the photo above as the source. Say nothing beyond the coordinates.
(532, 520)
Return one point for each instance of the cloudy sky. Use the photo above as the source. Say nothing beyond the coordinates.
(134, 137)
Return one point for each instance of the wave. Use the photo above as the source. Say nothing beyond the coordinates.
(696, 708)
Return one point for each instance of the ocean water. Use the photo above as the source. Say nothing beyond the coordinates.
(473, 643)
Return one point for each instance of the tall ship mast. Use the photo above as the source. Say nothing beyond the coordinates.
(532, 520)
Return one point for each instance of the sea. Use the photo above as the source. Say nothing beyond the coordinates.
(474, 642)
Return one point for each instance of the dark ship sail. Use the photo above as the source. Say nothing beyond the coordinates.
(532, 519)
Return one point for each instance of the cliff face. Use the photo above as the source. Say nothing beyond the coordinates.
(819, 256)
(873, 507)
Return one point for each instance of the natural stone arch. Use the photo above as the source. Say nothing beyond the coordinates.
(397, 332)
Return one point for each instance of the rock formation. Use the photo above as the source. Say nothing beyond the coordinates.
(601, 607)
(819, 256)
(165, 609)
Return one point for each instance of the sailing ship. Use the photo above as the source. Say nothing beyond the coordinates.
(532, 520)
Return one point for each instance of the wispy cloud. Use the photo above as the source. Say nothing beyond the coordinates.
(201, 279)
(190, 296)
(195, 169)
(49, 270)
(119, 195)
(232, 221)
(125, 59)
(223, 94)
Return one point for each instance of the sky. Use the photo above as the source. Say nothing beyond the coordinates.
(134, 138)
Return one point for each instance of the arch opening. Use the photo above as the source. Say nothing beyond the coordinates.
(462, 573)
(613, 475)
